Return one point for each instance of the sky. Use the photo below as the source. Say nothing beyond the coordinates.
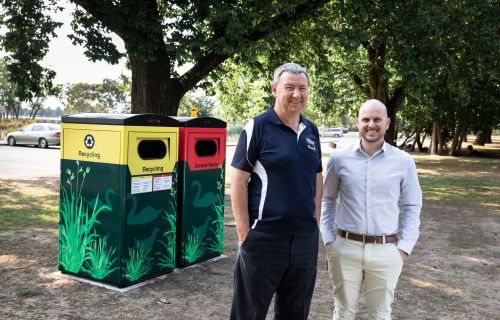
(69, 61)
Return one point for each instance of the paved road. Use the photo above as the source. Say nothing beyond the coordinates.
(23, 161)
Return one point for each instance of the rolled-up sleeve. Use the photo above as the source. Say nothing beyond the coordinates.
(329, 202)
(411, 201)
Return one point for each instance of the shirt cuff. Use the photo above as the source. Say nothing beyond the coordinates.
(406, 246)
(328, 237)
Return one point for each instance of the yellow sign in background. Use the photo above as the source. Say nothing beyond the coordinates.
(193, 111)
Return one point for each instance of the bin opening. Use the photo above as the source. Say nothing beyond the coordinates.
(205, 148)
(151, 149)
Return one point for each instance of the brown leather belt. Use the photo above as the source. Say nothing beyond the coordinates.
(368, 239)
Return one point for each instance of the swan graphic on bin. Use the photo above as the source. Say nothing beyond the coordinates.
(118, 198)
(200, 212)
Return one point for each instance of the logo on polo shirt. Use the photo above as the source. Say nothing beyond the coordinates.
(311, 144)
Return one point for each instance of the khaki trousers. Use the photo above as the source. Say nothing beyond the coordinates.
(352, 263)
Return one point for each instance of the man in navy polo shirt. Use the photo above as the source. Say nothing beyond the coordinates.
(276, 189)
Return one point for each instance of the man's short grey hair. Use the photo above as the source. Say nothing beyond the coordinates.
(289, 67)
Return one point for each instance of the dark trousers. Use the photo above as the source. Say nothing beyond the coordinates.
(268, 264)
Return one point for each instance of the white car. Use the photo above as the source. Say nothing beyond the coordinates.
(38, 134)
(333, 132)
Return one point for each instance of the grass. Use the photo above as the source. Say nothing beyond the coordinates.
(32, 202)
(26, 293)
(451, 179)
(35, 202)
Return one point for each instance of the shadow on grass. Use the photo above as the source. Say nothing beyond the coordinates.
(29, 203)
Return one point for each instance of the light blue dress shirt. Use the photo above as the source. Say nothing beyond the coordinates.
(362, 195)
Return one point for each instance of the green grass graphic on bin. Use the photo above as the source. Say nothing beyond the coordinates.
(216, 244)
(138, 263)
(77, 221)
(194, 247)
(99, 263)
(167, 257)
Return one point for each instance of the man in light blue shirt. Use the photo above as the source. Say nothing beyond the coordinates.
(364, 188)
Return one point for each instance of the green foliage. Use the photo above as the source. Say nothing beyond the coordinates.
(137, 264)
(92, 34)
(98, 262)
(216, 244)
(167, 259)
(8, 90)
(160, 37)
(205, 105)
(29, 29)
(194, 246)
(240, 94)
(110, 96)
(77, 220)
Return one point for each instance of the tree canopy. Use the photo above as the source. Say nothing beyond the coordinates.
(433, 63)
(159, 36)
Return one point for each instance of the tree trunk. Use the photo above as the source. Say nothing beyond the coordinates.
(416, 141)
(379, 87)
(440, 141)
(461, 139)
(483, 136)
(419, 141)
(455, 146)
(489, 132)
(436, 131)
(152, 89)
(423, 140)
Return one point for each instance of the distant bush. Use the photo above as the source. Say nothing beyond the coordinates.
(233, 131)
(9, 125)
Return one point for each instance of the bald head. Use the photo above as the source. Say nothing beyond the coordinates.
(372, 123)
(373, 105)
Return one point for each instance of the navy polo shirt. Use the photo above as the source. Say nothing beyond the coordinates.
(283, 166)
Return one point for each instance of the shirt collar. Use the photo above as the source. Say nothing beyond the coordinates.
(273, 117)
(383, 149)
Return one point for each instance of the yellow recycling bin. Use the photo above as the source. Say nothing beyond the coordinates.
(118, 196)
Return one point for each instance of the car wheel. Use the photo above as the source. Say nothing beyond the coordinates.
(335, 135)
(11, 141)
(42, 143)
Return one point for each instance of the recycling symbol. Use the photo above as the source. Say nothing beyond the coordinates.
(89, 141)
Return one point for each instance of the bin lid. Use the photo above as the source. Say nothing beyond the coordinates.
(201, 122)
(146, 119)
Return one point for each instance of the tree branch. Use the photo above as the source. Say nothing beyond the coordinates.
(213, 59)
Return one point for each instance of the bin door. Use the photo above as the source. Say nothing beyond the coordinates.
(152, 152)
(151, 203)
(93, 143)
(205, 150)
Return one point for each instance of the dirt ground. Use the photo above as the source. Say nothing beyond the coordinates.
(452, 274)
